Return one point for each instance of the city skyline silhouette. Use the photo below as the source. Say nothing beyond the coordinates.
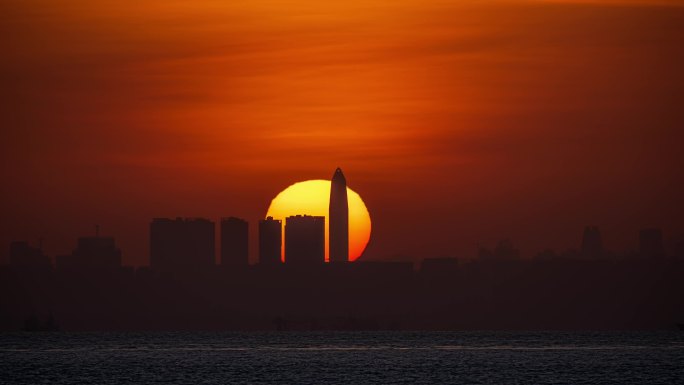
(204, 265)
(228, 243)
(497, 291)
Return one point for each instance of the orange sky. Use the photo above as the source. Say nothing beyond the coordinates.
(458, 122)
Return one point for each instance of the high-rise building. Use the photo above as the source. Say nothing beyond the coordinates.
(234, 242)
(651, 243)
(304, 240)
(592, 243)
(338, 212)
(179, 245)
(270, 241)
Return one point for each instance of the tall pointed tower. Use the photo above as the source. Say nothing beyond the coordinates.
(339, 218)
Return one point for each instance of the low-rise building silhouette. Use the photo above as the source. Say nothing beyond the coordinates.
(503, 251)
(92, 253)
(24, 255)
(651, 243)
(304, 240)
(441, 263)
(439, 268)
(592, 242)
(679, 249)
(182, 244)
(234, 242)
(270, 241)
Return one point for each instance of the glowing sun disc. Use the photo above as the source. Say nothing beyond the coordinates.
(312, 197)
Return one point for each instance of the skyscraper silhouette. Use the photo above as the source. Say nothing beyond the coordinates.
(339, 218)
(180, 245)
(234, 242)
(304, 240)
(270, 241)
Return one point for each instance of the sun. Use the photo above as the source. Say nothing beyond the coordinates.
(312, 197)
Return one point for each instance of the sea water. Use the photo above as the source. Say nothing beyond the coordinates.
(343, 357)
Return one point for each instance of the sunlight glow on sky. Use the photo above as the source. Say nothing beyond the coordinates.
(312, 197)
(477, 120)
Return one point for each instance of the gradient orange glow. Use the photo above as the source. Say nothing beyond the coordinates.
(463, 121)
(312, 197)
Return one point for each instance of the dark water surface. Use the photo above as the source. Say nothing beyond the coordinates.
(343, 357)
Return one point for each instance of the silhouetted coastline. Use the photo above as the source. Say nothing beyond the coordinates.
(443, 295)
